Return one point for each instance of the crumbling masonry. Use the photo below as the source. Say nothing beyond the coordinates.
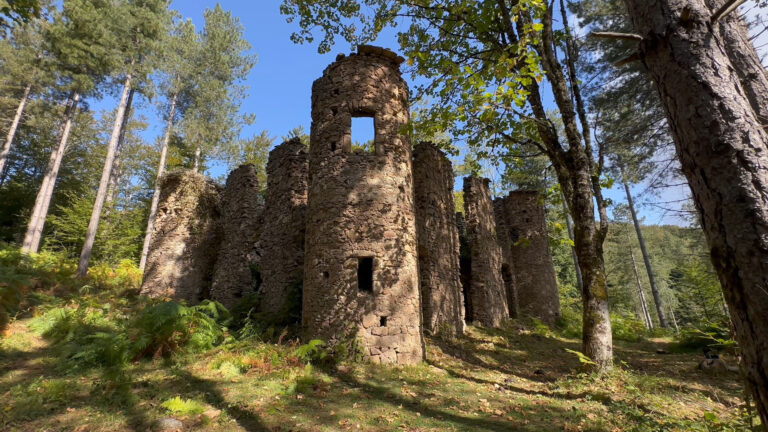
(521, 215)
(185, 238)
(488, 297)
(241, 208)
(282, 239)
(361, 271)
(441, 294)
(363, 244)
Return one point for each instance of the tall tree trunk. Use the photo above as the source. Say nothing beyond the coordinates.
(575, 258)
(644, 251)
(156, 194)
(674, 319)
(734, 34)
(114, 177)
(12, 130)
(198, 153)
(43, 201)
(640, 294)
(722, 148)
(101, 195)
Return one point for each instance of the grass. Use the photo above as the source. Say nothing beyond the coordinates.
(519, 377)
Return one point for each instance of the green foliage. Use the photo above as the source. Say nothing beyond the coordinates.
(183, 407)
(312, 351)
(168, 327)
(627, 328)
(712, 335)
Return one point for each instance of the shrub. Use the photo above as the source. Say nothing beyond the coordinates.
(126, 276)
(627, 328)
(183, 407)
(569, 322)
(707, 335)
(168, 327)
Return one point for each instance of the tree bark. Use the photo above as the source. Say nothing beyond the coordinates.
(156, 194)
(644, 251)
(640, 294)
(43, 201)
(12, 130)
(722, 148)
(198, 153)
(101, 195)
(732, 30)
(569, 226)
(115, 175)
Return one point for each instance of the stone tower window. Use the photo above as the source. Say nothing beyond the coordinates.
(365, 274)
(363, 132)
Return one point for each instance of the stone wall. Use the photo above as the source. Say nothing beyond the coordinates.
(241, 207)
(361, 267)
(185, 239)
(488, 299)
(282, 239)
(438, 239)
(507, 272)
(522, 213)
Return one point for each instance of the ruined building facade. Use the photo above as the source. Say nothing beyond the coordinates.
(241, 207)
(487, 293)
(521, 216)
(185, 239)
(362, 246)
(281, 244)
(361, 267)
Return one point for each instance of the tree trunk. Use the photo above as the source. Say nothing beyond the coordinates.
(101, 195)
(569, 226)
(156, 194)
(733, 32)
(644, 251)
(640, 294)
(12, 130)
(722, 148)
(198, 153)
(114, 178)
(43, 201)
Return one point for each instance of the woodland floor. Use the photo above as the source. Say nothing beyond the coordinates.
(496, 380)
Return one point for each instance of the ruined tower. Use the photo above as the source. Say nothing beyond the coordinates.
(185, 239)
(438, 236)
(361, 267)
(507, 272)
(523, 218)
(241, 209)
(282, 235)
(487, 301)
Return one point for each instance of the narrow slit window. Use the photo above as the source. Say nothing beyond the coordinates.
(363, 134)
(365, 274)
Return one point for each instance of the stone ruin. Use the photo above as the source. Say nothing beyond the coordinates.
(365, 242)
(281, 243)
(520, 215)
(438, 241)
(487, 303)
(361, 275)
(241, 207)
(185, 238)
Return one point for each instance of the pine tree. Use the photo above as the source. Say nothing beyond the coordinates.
(142, 22)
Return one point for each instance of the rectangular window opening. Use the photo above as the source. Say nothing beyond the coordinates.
(365, 274)
(363, 134)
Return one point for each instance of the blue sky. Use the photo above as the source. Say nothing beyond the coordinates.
(281, 81)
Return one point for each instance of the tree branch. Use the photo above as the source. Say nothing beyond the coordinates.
(615, 35)
(725, 9)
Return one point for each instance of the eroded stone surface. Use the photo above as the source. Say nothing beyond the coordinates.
(438, 237)
(185, 239)
(488, 298)
(241, 209)
(507, 269)
(282, 237)
(521, 215)
(361, 214)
